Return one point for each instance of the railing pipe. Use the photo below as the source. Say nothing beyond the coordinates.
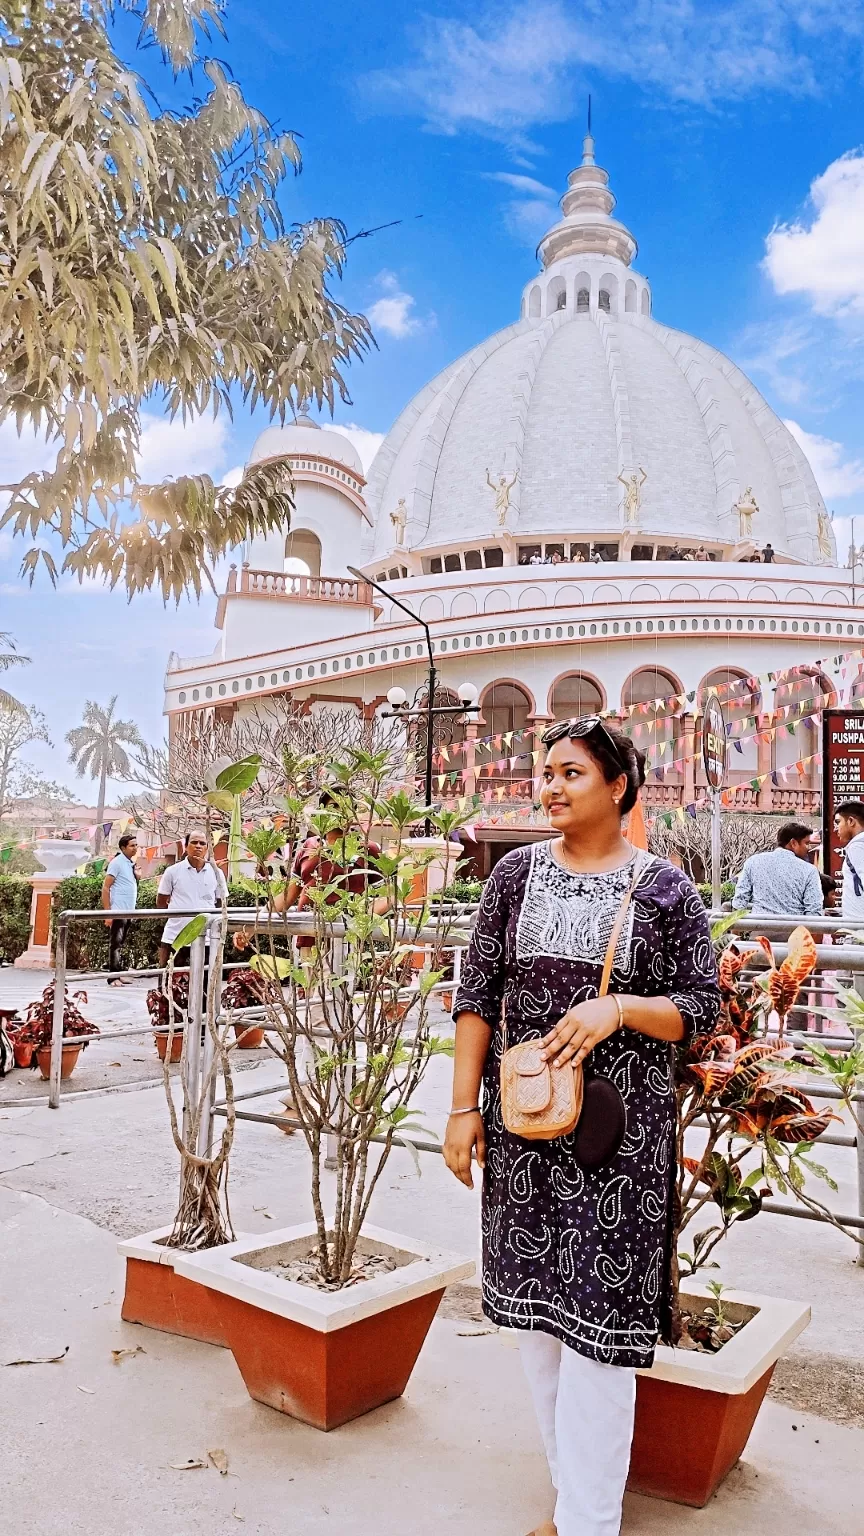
(59, 1012)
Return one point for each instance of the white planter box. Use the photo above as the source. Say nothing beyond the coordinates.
(233, 1270)
(773, 1326)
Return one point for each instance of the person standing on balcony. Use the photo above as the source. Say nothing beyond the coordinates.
(781, 882)
(120, 892)
(576, 1235)
(849, 828)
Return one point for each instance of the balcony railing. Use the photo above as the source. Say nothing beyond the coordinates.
(316, 589)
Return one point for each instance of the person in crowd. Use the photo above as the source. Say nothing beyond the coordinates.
(575, 1238)
(120, 892)
(325, 862)
(768, 554)
(194, 884)
(675, 552)
(596, 558)
(849, 828)
(781, 881)
(577, 557)
(701, 553)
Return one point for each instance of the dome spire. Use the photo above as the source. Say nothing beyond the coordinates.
(587, 226)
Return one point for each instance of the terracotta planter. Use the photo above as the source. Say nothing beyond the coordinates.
(23, 1053)
(446, 1001)
(249, 1036)
(176, 1045)
(157, 1297)
(694, 1412)
(69, 1058)
(319, 1356)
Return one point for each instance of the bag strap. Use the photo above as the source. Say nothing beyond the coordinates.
(617, 926)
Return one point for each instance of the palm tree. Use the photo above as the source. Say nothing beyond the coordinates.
(97, 748)
(10, 657)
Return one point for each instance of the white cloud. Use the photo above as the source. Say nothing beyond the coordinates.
(526, 62)
(367, 443)
(530, 214)
(193, 447)
(18, 456)
(836, 476)
(392, 313)
(233, 477)
(824, 260)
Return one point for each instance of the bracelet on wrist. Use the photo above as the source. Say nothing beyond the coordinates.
(473, 1109)
(620, 1006)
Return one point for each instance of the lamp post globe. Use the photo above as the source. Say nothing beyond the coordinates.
(397, 698)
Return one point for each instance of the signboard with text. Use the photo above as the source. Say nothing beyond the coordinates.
(714, 743)
(842, 774)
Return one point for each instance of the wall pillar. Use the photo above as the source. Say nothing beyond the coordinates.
(61, 857)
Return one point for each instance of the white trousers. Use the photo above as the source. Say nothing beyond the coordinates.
(585, 1412)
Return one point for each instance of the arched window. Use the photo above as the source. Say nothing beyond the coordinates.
(796, 735)
(302, 553)
(556, 295)
(534, 302)
(609, 293)
(646, 302)
(741, 703)
(656, 730)
(575, 695)
(582, 286)
(604, 302)
(506, 709)
(630, 297)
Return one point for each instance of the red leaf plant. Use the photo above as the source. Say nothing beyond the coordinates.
(38, 1027)
(732, 1087)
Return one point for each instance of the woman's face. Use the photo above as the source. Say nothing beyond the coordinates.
(575, 794)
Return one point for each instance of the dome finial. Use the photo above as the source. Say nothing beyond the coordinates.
(588, 142)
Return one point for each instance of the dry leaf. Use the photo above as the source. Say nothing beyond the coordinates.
(91, 1391)
(475, 1333)
(187, 1466)
(126, 1354)
(220, 1461)
(243, 1517)
(41, 1359)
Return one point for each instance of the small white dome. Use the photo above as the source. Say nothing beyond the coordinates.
(304, 436)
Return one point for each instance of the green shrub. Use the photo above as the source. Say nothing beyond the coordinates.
(87, 949)
(727, 891)
(15, 896)
(460, 890)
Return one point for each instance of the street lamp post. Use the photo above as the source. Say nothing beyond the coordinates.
(398, 699)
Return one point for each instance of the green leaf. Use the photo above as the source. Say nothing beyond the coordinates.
(240, 776)
(276, 966)
(193, 930)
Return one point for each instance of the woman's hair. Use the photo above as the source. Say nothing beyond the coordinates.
(624, 759)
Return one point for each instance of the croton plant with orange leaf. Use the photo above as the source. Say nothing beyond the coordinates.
(735, 1085)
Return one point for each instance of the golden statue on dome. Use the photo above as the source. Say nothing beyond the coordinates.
(633, 493)
(746, 507)
(502, 494)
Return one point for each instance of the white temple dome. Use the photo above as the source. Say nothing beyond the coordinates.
(585, 387)
(305, 436)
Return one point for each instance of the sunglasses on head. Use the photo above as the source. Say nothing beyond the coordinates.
(580, 726)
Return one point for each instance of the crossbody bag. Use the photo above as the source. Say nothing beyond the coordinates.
(540, 1102)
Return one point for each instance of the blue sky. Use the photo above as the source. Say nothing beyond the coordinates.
(734, 138)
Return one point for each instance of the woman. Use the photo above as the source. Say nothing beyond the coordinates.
(578, 1260)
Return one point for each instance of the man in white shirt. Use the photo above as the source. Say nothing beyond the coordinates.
(849, 828)
(195, 884)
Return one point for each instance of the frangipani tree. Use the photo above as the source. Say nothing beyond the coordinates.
(143, 255)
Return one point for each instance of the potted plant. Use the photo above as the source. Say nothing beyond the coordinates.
(246, 989)
(38, 1027)
(696, 1406)
(326, 1319)
(156, 1294)
(159, 1009)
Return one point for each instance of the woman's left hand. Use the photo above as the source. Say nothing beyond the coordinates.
(580, 1030)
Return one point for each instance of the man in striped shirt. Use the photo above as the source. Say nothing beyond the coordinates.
(783, 882)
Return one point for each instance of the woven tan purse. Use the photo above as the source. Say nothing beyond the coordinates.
(539, 1102)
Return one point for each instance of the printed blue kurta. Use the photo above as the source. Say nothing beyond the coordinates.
(584, 1256)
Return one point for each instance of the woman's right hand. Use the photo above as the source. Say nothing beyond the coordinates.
(465, 1134)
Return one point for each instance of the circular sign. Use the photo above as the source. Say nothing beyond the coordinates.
(714, 742)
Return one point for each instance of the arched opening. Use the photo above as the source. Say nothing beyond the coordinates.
(796, 734)
(506, 757)
(556, 295)
(608, 300)
(534, 302)
(574, 695)
(583, 293)
(302, 553)
(741, 701)
(655, 727)
(630, 297)
(646, 302)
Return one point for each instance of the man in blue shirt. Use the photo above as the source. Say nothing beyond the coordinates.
(120, 893)
(782, 882)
